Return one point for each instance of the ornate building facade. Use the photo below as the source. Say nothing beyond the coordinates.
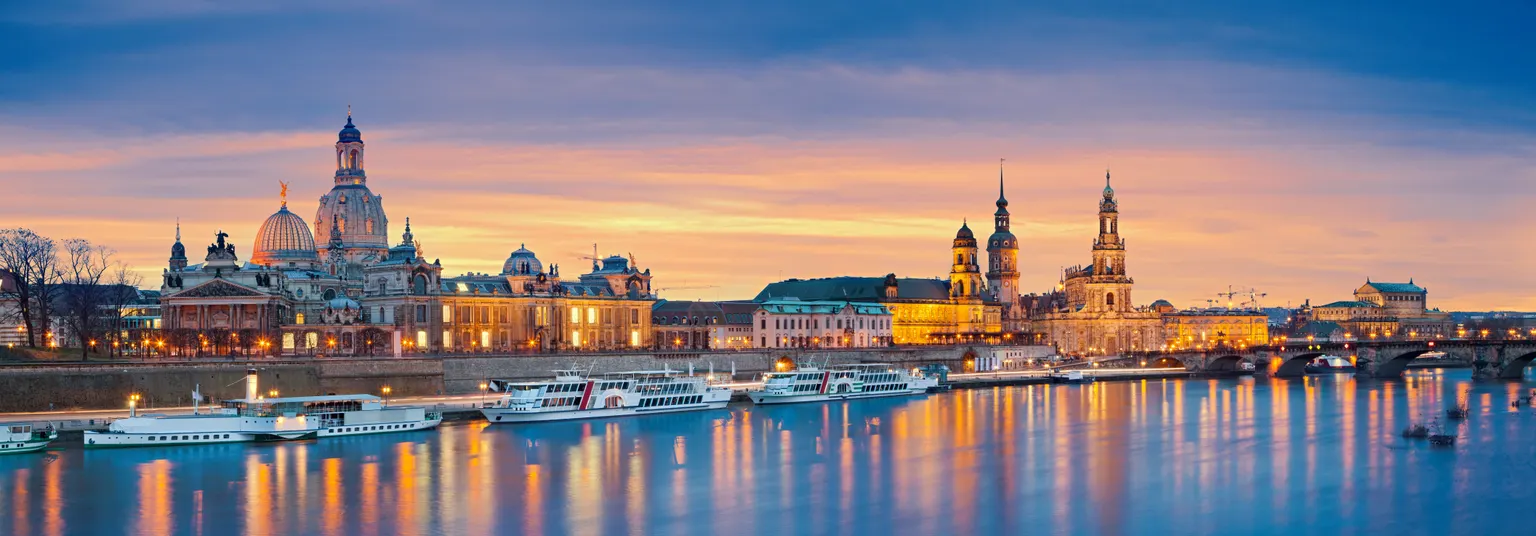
(1095, 315)
(1387, 310)
(353, 293)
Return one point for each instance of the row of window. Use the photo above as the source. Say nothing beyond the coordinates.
(815, 323)
(189, 437)
(671, 401)
(351, 429)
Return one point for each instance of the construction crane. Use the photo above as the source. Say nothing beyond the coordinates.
(593, 257)
(1252, 293)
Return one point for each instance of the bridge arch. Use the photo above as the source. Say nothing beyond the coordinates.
(1226, 363)
(1514, 369)
(1296, 365)
(1167, 362)
(1394, 367)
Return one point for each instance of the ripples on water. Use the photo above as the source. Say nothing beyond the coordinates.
(1157, 457)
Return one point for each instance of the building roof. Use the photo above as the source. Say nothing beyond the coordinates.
(854, 288)
(1395, 287)
(822, 307)
(1348, 303)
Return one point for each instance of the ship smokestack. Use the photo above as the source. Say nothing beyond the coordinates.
(250, 385)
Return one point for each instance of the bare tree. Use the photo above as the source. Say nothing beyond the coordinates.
(124, 292)
(32, 261)
(83, 298)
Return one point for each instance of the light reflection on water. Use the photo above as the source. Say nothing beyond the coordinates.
(1320, 454)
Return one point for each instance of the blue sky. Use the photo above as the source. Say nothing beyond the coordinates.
(1298, 147)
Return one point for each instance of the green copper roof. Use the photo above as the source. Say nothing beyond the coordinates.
(1395, 287)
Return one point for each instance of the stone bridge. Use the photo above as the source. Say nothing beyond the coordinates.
(1385, 359)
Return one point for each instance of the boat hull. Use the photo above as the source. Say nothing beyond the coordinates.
(765, 398)
(97, 440)
(510, 416)
(20, 447)
(1310, 369)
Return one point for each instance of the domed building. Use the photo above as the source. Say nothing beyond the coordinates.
(522, 262)
(355, 212)
(284, 241)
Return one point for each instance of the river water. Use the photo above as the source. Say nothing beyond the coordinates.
(1242, 455)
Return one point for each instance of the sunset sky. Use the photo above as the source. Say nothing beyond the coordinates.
(1297, 148)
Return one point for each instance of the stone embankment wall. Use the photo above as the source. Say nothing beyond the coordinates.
(26, 388)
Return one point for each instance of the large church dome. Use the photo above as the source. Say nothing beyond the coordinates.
(283, 239)
(522, 262)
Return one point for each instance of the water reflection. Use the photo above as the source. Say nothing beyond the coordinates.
(1245, 455)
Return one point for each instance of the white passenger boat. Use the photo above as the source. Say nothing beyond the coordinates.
(18, 437)
(255, 418)
(571, 395)
(809, 383)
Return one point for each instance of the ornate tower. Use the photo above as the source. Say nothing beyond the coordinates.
(178, 261)
(1003, 255)
(1109, 287)
(349, 154)
(350, 207)
(965, 275)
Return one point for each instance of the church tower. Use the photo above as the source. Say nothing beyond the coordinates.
(965, 275)
(1003, 256)
(356, 213)
(349, 154)
(1109, 288)
(178, 260)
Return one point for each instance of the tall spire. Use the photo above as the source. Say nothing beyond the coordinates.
(178, 228)
(1000, 198)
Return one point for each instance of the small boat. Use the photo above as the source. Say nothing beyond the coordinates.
(571, 396)
(808, 383)
(19, 437)
(1246, 367)
(1416, 431)
(1329, 364)
(1072, 376)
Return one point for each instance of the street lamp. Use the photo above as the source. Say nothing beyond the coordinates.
(483, 387)
(386, 394)
(272, 393)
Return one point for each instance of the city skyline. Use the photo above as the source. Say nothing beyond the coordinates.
(739, 167)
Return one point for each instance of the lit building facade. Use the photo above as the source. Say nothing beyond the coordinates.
(352, 293)
(923, 311)
(1387, 310)
(1210, 328)
(1095, 315)
(791, 323)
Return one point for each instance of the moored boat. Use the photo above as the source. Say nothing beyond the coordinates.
(19, 437)
(809, 383)
(1329, 364)
(1071, 376)
(571, 395)
(255, 418)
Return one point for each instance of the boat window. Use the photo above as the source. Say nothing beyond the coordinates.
(151, 438)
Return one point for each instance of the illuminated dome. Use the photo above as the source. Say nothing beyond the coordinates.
(284, 239)
(522, 261)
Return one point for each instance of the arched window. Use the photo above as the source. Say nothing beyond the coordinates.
(368, 224)
(352, 159)
(1109, 299)
(419, 286)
